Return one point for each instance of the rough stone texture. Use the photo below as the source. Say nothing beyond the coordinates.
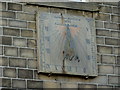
(114, 34)
(113, 79)
(1, 50)
(87, 86)
(105, 69)
(48, 84)
(28, 53)
(11, 31)
(6, 82)
(103, 32)
(31, 25)
(6, 14)
(111, 41)
(28, 74)
(105, 50)
(9, 72)
(69, 85)
(13, 6)
(34, 84)
(27, 33)
(2, 6)
(103, 17)
(11, 51)
(108, 59)
(100, 40)
(99, 24)
(18, 83)
(4, 61)
(17, 62)
(3, 22)
(31, 43)
(32, 64)
(16, 23)
(21, 42)
(111, 26)
(6, 40)
(18, 47)
(24, 16)
(106, 9)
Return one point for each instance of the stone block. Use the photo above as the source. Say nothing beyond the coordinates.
(3, 22)
(31, 43)
(27, 33)
(11, 31)
(9, 72)
(115, 10)
(1, 72)
(32, 64)
(100, 32)
(0, 39)
(104, 50)
(102, 17)
(51, 84)
(36, 75)
(117, 70)
(98, 24)
(104, 87)
(7, 14)
(23, 73)
(28, 53)
(99, 80)
(2, 5)
(69, 85)
(31, 25)
(11, 51)
(17, 23)
(111, 26)
(4, 61)
(6, 40)
(116, 50)
(114, 34)
(108, 59)
(6, 82)
(21, 42)
(30, 9)
(77, 13)
(110, 41)
(17, 62)
(26, 16)
(100, 40)
(105, 69)
(115, 18)
(57, 10)
(90, 86)
(1, 50)
(32, 84)
(18, 83)
(106, 9)
(14, 7)
(113, 80)
(1, 30)
(118, 60)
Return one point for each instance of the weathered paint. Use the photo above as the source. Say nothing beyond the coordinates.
(67, 44)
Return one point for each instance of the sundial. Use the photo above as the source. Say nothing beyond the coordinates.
(67, 44)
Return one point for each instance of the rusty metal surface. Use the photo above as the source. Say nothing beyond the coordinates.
(67, 44)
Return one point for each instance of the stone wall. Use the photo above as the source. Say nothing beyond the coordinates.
(18, 48)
